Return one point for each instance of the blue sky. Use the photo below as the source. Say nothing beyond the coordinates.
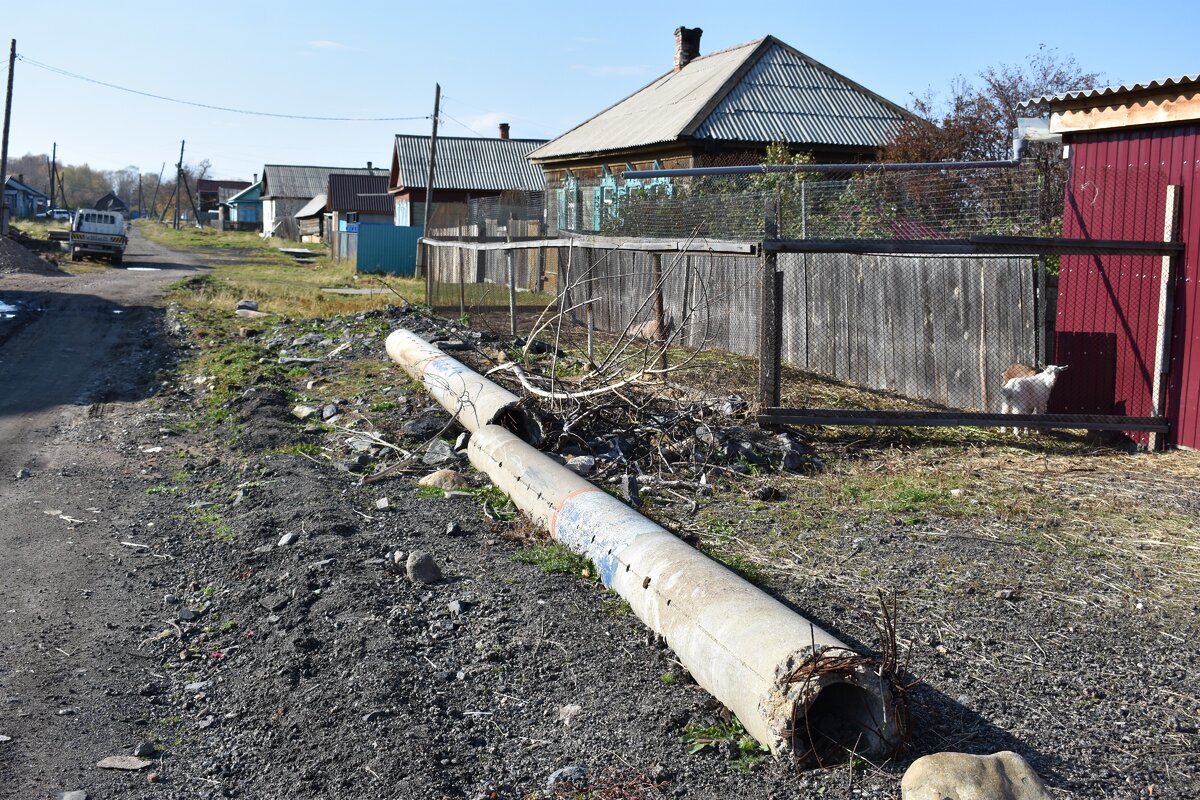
(543, 67)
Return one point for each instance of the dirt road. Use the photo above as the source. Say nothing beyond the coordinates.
(74, 349)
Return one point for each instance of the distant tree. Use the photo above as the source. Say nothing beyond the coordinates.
(976, 122)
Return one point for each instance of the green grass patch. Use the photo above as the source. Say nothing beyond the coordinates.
(554, 559)
(246, 266)
(430, 492)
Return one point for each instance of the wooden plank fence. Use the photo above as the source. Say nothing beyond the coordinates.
(937, 328)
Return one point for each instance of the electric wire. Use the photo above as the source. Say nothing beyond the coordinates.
(66, 73)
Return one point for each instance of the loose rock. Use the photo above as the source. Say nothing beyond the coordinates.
(421, 568)
(446, 479)
(303, 412)
(288, 538)
(960, 776)
(573, 774)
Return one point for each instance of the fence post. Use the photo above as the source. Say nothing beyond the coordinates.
(425, 253)
(1042, 308)
(660, 314)
(770, 327)
(590, 311)
(512, 278)
(1166, 307)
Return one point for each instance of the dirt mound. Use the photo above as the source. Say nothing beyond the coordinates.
(16, 258)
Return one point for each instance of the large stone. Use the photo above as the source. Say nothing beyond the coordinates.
(426, 425)
(421, 568)
(445, 479)
(960, 776)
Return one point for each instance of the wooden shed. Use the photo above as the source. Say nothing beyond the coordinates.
(1127, 326)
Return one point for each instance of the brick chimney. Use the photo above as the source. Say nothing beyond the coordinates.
(370, 166)
(687, 46)
(503, 130)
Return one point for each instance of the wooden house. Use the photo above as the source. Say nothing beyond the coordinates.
(720, 109)
(465, 168)
(288, 188)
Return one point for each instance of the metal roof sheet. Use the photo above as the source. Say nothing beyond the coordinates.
(1109, 91)
(761, 91)
(366, 194)
(312, 208)
(289, 180)
(659, 112)
(243, 195)
(467, 164)
(787, 97)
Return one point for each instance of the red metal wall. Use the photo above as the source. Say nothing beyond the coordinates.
(1107, 322)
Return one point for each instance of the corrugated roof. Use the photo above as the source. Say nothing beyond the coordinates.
(312, 208)
(466, 164)
(288, 180)
(787, 97)
(761, 91)
(366, 194)
(1108, 91)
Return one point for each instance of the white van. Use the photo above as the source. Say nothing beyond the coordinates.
(98, 232)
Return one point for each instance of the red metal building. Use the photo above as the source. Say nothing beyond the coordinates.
(1126, 146)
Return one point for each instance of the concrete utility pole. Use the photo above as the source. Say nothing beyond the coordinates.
(12, 60)
(178, 181)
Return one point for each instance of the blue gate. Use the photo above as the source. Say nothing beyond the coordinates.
(387, 248)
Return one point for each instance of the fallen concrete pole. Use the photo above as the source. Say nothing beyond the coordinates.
(471, 398)
(795, 687)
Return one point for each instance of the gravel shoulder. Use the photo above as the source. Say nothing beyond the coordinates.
(1046, 594)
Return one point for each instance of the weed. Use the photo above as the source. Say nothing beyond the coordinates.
(299, 449)
(741, 565)
(380, 407)
(614, 605)
(430, 492)
(555, 558)
(668, 678)
(697, 738)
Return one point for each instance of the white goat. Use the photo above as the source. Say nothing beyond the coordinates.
(1029, 395)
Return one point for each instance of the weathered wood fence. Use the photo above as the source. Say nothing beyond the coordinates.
(935, 328)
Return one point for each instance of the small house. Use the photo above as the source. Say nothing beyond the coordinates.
(21, 199)
(465, 169)
(245, 207)
(210, 194)
(110, 202)
(720, 109)
(287, 188)
(310, 220)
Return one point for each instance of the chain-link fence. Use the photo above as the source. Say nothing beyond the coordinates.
(916, 205)
(908, 290)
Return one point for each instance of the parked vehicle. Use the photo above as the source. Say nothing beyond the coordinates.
(60, 214)
(98, 232)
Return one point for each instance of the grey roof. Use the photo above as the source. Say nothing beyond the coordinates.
(762, 91)
(366, 194)
(288, 180)
(1109, 91)
(466, 164)
(14, 185)
(312, 208)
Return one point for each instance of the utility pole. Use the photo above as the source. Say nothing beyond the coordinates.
(53, 173)
(12, 60)
(178, 181)
(141, 205)
(437, 101)
(154, 197)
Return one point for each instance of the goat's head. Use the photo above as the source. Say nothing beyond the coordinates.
(1054, 369)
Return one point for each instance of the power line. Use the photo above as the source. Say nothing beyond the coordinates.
(50, 68)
